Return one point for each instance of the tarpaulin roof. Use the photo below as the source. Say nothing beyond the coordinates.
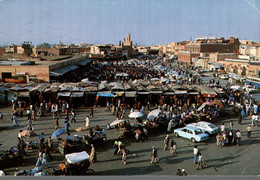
(63, 70)
(84, 62)
(40, 87)
(76, 157)
(64, 94)
(2, 89)
(129, 87)
(23, 94)
(105, 94)
(52, 89)
(77, 94)
(204, 90)
(103, 86)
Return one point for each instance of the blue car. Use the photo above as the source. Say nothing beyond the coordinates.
(193, 133)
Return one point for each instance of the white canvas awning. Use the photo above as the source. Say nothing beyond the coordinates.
(130, 94)
(180, 92)
(77, 94)
(64, 94)
(143, 92)
(169, 93)
(77, 157)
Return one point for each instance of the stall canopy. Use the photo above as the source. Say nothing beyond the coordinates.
(40, 87)
(23, 94)
(130, 94)
(63, 70)
(64, 94)
(105, 94)
(77, 157)
(77, 94)
(84, 62)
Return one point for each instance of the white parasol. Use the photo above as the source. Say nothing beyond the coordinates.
(153, 114)
(116, 122)
(136, 115)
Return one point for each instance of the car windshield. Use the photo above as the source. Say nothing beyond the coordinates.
(211, 125)
(198, 131)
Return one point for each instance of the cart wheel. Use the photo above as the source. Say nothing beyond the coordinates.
(90, 172)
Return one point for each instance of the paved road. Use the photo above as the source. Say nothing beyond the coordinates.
(223, 161)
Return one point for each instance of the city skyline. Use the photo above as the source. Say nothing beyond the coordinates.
(107, 22)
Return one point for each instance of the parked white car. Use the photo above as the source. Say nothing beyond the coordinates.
(206, 127)
(193, 133)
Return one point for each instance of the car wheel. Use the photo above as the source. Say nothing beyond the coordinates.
(176, 134)
(193, 140)
(206, 132)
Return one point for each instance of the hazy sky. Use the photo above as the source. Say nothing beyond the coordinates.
(108, 21)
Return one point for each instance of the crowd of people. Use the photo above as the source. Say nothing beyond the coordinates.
(177, 111)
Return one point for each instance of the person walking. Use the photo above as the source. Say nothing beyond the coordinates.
(39, 158)
(116, 147)
(195, 152)
(67, 125)
(249, 130)
(254, 120)
(230, 137)
(231, 124)
(15, 120)
(87, 122)
(171, 147)
(29, 125)
(166, 142)
(50, 143)
(243, 114)
(154, 156)
(124, 154)
(91, 112)
(57, 124)
(200, 161)
(2, 116)
(238, 137)
(21, 146)
(174, 148)
(219, 140)
(73, 115)
(222, 128)
(47, 151)
(108, 106)
(93, 155)
(33, 115)
(239, 118)
(41, 137)
(145, 132)
(179, 172)
(45, 161)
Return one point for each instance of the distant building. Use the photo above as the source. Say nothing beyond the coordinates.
(242, 66)
(172, 48)
(2, 51)
(250, 48)
(42, 71)
(221, 45)
(24, 49)
(127, 47)
(187, 56)
(11, 49)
